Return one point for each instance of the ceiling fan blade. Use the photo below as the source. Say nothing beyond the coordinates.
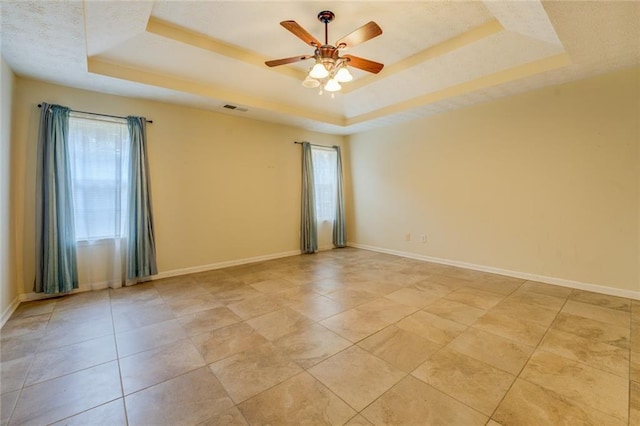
(301, 33)
(362, 34)
(364, 64)
(290, 60)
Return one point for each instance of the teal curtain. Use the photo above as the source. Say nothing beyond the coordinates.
(308, 229)
(56, 260)
(141, 247)
(339, 234)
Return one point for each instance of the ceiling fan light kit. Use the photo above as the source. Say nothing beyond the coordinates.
(330, 69)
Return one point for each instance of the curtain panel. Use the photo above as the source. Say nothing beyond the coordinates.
(56, 261)
(141, 250)
(339, 234)
(308, 227)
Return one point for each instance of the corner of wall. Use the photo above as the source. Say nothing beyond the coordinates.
(9, 294)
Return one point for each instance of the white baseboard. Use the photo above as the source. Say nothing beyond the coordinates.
(516, 274)
(9, 310)
(225, 264)
(165, 274)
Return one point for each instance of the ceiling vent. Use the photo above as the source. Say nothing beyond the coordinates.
(234, 107)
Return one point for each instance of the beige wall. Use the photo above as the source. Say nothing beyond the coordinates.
(8, 287)
(543, 183)
(224, 188)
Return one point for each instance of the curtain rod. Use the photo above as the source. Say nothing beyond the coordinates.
(315, 144)
(103, 115)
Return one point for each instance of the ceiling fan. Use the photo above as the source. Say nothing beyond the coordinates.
(330, 66)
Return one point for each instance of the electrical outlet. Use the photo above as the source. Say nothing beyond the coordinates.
(407, 237)
(423, 238)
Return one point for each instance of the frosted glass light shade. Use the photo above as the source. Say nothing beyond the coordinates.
(343, 75)
(310, 82)
(332, 85)
(318, 71)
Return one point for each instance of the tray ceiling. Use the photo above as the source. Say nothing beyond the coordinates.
(438, 55)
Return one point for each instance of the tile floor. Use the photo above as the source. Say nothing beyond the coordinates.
(341, 337)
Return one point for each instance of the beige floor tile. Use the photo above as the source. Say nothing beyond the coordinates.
(230, 417)
(412, 297)
(318, 308)
(34, 308)
(592, 329)
(188, 399)
(527, 404)
(254, 306)
(513, 328)
(299, 400)
(354, 324)
(634, 403)
(111, 413)
(311, 345)
(7, 404)
(597, 313)
(236, 294)
(32, 325)
(548, 289)
(148, 368)
(208, 320)
(474, 297)
(432, 327)
(535, 298)
(76, 332)
(351, 298)
(79, 314)
(149, 337)
(533, 313)
(326, 285)
(499, 352)
(186, 305)
(223, 342)
(84, 299)
(596, 354)
(139, 316)
(400, 348)
(279, 323)
(379, 288)
(248, 373)
(19, 346)
(497, 284)
(399, 406)
(13, 373)
(387, 310)
(603, 300)
(433, 288)
(68, 359)
(635, 337)
(455, 311)
(356, 376)
(82, 390)
(472, 382)
(295, 295)
(273, 285)
(578, 382)
(358, 420)
(634, 367)
(131, 298)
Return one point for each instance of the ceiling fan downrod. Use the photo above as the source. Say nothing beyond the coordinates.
(325, 17)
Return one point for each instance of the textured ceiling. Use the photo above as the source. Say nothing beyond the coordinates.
(438, 55)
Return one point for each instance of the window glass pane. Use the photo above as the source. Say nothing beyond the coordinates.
(97, 149)
(325, 176)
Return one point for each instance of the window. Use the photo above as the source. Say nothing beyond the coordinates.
(325, 161)
(98, 150)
